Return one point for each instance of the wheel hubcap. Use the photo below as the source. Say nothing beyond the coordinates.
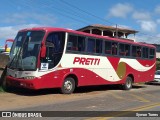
(68, 86)
(129, 83)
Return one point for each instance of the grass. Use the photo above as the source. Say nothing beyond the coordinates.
(1, 89)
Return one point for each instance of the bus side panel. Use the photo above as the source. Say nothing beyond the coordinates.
(87, 77)
(141, 76)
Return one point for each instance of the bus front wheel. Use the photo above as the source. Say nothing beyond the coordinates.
(3, 82)
(68, 86)
(128, 83)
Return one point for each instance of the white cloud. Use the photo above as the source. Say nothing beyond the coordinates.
(148, 26)
(120, 10)
(11, 31)
(27, 18)
(141, 15)
(155, 39)
(124, 26)
(157, 9)
(143, 38)
(158, 21)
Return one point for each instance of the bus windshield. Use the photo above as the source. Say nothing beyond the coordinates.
(25, 50)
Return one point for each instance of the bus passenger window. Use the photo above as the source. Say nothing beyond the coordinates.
(108, 49)
(127, 50)
(122, 49)
(72, 43)
(98, 46)
(152, 53)
(81, 44)
(114, 48)
(139, 52)
(145, 52)
(91, 45)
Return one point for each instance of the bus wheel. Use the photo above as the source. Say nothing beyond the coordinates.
(128, 84)
(68, 86)
(3, 82)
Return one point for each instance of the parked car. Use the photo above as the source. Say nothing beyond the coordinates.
(157, 76)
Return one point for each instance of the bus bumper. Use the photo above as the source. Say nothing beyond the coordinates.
(17, 82)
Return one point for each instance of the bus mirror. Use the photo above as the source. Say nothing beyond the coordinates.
(43, 51)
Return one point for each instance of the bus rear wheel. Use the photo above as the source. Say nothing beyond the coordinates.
(128, 83)
(68, 86)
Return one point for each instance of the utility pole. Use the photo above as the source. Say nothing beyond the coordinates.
(116, 31)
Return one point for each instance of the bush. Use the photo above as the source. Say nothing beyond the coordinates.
(1, 89)
(158, 65)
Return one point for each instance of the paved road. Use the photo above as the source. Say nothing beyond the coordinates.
(101, 98)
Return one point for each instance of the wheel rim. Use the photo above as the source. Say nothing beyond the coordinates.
(129, 83)
(68, 86)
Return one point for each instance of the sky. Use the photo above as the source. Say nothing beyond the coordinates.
(140, 15)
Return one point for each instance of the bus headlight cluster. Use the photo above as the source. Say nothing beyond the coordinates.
(29, 77)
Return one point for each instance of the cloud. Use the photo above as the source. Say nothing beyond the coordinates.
(155, 39)
(120, 10)
(11, 31)
(158, 21)
(28, 18)
(148, 26)
(141, 15)
(157, 9)
(124, 26)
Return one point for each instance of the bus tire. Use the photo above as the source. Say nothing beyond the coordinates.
(68, 86)
(128, 83)
(3, 82)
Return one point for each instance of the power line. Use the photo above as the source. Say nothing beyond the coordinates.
(101, 18)
(71, 14)
(59, 11)
(86, 12)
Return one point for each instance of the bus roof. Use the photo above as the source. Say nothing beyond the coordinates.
(50, 29)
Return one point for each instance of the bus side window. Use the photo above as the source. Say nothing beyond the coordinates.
(114, 48)
(152, 53)
(108, 47)
(91, 45)
(72, 43)
(127, 50)
(145, 52)
(122, 49)
(98, 46)
(139, 52)
(81, 44)
(133, 51)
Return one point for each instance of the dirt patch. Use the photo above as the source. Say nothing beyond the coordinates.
(22, 98)
(10, 101)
